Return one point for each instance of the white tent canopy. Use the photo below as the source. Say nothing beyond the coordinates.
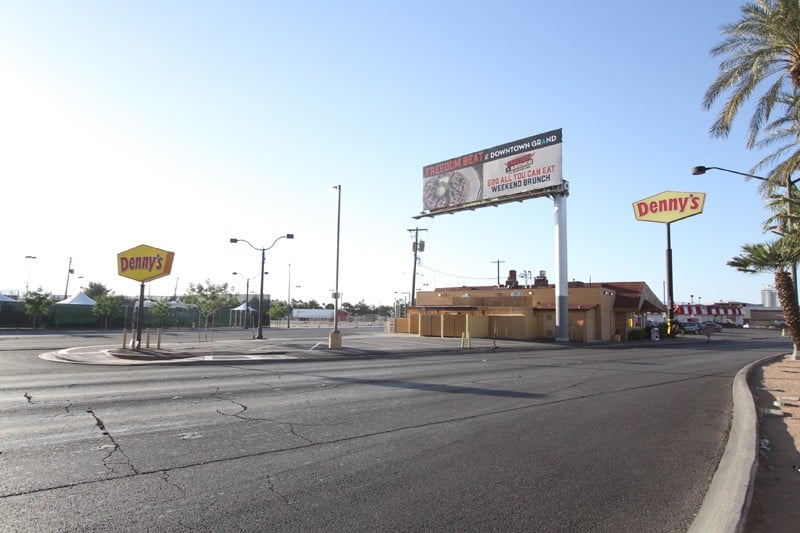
(78, 299)
(242, 315)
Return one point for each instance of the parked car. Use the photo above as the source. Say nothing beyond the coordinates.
(692, 327)
(715, 327)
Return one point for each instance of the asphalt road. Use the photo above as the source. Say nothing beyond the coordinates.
(527, 437)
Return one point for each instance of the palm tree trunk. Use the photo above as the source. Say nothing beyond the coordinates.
(784, 285)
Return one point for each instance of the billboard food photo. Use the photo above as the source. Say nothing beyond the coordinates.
(520, 169)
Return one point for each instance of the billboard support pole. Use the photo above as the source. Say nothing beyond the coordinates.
(562, 280)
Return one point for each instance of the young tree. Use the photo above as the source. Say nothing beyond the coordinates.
(95, 290)
(37, 303)
(363, 309)
(278, 310)
(384, 310)
(209, 299)
(106, 306)
(161, 310)
(776, 256)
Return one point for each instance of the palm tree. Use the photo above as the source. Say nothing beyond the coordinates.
(776, 256)
(784, 162)
(762, 49)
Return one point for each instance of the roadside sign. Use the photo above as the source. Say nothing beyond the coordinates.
(144, 263)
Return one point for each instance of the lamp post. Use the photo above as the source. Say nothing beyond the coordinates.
(260, 334)
(246, 298)
(335, 337)
(698, 170)
(289, 300)
(27, 281)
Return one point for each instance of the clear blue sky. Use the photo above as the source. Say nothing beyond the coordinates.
(181, 124)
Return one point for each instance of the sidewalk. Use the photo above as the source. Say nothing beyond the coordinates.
(776, 496)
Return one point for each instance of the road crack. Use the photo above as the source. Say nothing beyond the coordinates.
(116, 461)
(240, 415)
(166, 479)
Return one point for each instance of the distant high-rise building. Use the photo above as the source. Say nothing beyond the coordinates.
(769, 296)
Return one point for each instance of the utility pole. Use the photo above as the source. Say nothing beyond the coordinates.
(498, 270)
(416, 248)
(69, 271)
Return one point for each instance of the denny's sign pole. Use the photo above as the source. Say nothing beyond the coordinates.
(143, 263)
(668, 207)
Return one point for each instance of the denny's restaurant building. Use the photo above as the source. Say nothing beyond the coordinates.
(597, 311)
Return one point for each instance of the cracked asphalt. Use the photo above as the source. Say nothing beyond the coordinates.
(422, 435)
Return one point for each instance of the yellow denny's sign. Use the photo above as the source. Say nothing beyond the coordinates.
(144, 263)
(669, 206)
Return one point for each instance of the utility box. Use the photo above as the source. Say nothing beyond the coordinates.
(654, 335)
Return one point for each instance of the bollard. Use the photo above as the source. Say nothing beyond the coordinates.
(158, 341)
(124, 337)
(147, 341)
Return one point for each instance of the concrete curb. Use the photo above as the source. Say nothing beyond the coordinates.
(725, 506)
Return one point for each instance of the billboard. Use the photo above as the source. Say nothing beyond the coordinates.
(514, 171)
(669, 206)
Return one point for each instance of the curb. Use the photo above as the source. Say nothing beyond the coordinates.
(727, 502)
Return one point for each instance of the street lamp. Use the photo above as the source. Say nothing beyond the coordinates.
(698, 170)
(289, 300)
(27, 281)
(246, 298)
(335, 337)
(261, 290)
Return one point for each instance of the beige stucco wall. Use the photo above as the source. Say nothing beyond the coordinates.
(524, 313)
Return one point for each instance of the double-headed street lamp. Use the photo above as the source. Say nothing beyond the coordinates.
(260, 334)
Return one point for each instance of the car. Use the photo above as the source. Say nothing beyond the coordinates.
(715, 326)
(692, 327)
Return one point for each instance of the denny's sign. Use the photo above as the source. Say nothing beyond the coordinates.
(144, 263)
(669, 206)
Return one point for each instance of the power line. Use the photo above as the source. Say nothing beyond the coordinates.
(450, 274)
